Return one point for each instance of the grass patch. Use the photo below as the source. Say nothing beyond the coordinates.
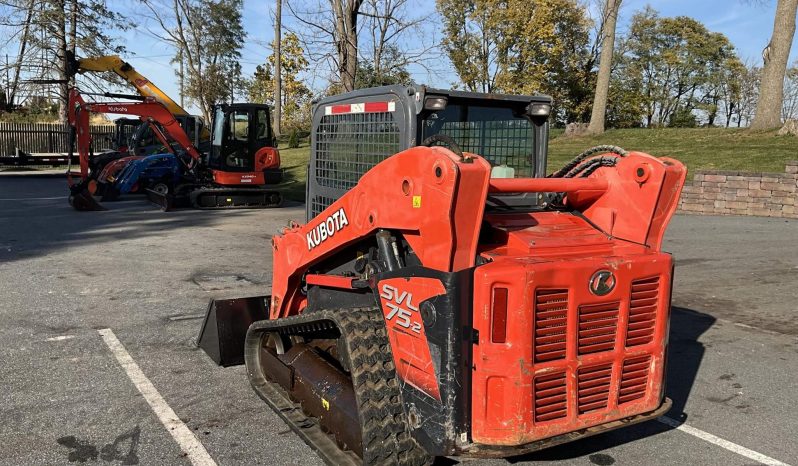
(295, 164)
(699, 148)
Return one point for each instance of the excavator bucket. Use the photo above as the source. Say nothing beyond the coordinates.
(225, 327)
(81, 198)
(164, 201)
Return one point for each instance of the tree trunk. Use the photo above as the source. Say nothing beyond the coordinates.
(597, 118)
(351, 43)
(346, 12)
(776, 55)
(278, 68)
(23, 43)
(60, 28)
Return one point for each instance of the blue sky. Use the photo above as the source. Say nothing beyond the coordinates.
(747, 23)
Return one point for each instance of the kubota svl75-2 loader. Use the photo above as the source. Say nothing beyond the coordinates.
(452, 300)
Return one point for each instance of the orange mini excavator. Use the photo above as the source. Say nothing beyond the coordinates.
(237, 172)
(455, 303)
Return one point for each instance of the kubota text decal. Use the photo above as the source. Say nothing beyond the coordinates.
(327, 228)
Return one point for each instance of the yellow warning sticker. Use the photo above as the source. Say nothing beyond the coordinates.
(325, 404)
(416, 202)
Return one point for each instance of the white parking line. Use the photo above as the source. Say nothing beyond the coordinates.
(192, 447)
(732, 447)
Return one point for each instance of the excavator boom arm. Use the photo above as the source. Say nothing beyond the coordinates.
(79, 111)
(126, 71)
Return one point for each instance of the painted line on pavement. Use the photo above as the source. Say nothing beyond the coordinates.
(725, 444)
(192, 447)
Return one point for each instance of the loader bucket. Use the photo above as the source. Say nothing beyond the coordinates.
(164, 201)
(225, 327)
(80, 198)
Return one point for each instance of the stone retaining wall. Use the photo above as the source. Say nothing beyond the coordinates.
(739, 193)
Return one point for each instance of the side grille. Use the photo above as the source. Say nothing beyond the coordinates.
(642, 311)
(551, 319)
(594, 387)
(550, 397)
(634, 379)
(598, 325)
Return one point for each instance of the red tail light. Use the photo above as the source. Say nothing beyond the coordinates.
(499, 330)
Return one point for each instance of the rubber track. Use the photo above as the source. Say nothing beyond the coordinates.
(386, 435)
(196, 194)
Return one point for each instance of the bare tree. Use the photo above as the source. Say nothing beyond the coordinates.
(48, 31)
(790, 107)
(610, 18)
(330, 34)
(388, 28)
(775, 55)
(23, 44)
(207, 37)
(278, 78)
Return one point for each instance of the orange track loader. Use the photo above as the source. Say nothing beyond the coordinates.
(451, 302)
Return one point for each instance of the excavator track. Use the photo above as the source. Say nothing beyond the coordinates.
(235, 198)
(386, 438)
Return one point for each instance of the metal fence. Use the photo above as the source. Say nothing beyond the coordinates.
(47, 138)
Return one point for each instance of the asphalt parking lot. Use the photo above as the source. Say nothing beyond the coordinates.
(70, 279)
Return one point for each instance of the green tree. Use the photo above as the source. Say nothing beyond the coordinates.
(260, 88)
(207, 36)
(522, 46)
(296, 96)
(393, 70)
(678, 65)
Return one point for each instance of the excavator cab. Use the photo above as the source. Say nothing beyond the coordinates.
(243, 146)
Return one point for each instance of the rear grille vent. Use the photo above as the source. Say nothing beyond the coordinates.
(594, 387)
(598, 325)
(551, 318)
(634, 379)
(642, 311)
(550, 397)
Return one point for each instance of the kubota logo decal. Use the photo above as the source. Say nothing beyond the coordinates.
(117, 109)
(602, 282)
(327, 229)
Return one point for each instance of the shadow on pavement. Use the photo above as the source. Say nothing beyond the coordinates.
(36, 219)
(685, 354)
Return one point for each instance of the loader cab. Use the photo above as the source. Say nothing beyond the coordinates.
(353, 132)
(124, 128)
(239, 131)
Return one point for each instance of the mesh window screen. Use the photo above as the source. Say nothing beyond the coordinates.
(348, 145)
(494, 133)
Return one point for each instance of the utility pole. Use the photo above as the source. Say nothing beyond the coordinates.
(278, 68)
